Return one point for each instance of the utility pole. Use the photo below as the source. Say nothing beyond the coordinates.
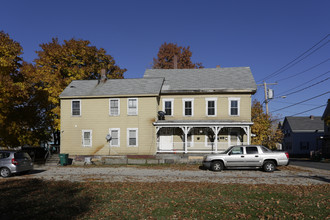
(266, 94)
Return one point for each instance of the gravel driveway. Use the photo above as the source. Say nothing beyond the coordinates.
(290, 175)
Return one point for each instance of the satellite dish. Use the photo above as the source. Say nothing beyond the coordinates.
(108, 137)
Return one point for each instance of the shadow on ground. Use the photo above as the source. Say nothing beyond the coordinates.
(318, 178)
(39, 199)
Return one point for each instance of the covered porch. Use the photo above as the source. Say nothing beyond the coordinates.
(200, 136)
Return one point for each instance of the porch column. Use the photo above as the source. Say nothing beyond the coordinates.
(185, 130)
(216, 130)
(248, 134)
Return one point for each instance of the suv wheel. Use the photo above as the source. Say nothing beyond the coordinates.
(217, 166)
(269, 166)
(5, 172)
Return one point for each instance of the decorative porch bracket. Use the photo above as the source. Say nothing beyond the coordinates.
(247, 132)
(186, 130)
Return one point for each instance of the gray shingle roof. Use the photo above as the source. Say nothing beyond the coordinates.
(112, 87)
(208, 79)
(305, 123)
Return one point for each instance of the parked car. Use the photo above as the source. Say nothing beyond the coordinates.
(246, 156)
(14, 162)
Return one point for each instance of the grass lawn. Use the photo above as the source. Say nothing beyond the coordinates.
(38, 199)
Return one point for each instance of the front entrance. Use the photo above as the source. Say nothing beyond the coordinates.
(166, 142)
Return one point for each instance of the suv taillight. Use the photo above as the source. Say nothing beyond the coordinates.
(287, 155)
(13, 161)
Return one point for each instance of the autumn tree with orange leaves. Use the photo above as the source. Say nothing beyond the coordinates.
(29, 94)
(58, 64)
(264, 127)
(165, 57)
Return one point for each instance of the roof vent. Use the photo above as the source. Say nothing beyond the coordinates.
(72, 87)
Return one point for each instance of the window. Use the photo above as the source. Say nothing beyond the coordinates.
(114, 107)
(87, 138)
(211, 106)
(75, 107)
(168, 106)
(132, 106)
(188, 107)
(265, 149)
(251, 150)
(132, 137)
(234, 106)
(236, 150)
(115, 137)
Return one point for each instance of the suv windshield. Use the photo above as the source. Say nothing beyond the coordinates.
(22, 155)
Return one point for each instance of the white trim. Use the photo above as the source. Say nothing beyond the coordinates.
(172, 106)
(83, 138)
(76, 100)
(184, 107)
(207, 107)
(114, 99)
(137, 136)
(202, 124)
(110, 132)
(238, 105)
(137, 106)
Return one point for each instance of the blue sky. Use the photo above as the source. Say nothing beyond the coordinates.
(264, 35)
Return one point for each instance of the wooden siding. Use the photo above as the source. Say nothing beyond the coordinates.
(95, 116)
(200, 107)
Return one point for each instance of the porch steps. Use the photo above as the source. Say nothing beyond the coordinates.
(53, 160)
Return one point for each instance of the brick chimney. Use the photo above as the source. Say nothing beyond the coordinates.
(103, 76)
(311, 117)
(218, 66)
(175, 62)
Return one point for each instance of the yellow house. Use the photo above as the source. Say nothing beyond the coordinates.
(166, 111)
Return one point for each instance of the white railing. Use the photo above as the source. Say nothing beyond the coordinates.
(195, 147)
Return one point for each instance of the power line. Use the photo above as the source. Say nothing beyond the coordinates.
(301, 102)
(293, 62)
(309, 110)
(305, 83)
(303, 71)
(274, 100)
(307, 87)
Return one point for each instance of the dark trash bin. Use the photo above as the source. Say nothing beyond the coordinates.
(64, 159)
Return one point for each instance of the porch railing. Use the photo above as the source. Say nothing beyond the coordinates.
(195, 147)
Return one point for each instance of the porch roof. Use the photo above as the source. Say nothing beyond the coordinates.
(201, 123)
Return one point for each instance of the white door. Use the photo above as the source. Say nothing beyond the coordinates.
(166, 142)
(233, 139)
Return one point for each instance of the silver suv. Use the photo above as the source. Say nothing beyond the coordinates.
(14, 162)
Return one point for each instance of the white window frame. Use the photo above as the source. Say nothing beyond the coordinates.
(137, 106)
(137, 136)
(83, 138)
(238, 106)
(110, 107)
(172, 106)
(110, 132)
(76, 100)
(207, 106)
(184, 107)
